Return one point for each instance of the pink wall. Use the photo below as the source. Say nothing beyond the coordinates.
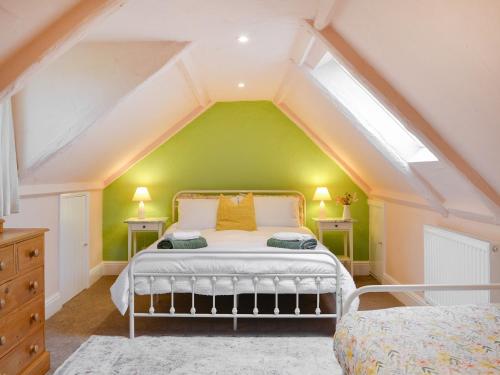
(405, 242)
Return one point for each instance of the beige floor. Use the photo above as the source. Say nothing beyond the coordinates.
(92, 313)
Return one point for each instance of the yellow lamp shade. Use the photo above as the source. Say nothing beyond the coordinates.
(322, 194)
(141, 195)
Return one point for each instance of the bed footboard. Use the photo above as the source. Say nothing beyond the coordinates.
(235, 279)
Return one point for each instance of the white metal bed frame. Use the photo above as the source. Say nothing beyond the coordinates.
(256, 278)
(215, 194)
(413, 288)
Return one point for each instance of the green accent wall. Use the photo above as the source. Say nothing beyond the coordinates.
(233, 145)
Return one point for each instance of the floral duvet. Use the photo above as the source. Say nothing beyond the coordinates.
(420, 340)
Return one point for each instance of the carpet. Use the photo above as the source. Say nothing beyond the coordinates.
(203, 355)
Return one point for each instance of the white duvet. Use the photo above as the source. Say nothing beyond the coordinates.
(268, 260)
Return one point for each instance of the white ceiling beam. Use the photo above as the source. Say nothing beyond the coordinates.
(52, 42)
(393, 198)
(301, 49)
(26, 191)
(324, 14)
(324, 147)
(190, 74)
(410, 117)
(302, 46)
(285, 85)
(315, 55)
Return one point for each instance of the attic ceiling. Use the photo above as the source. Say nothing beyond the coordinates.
(115, 75)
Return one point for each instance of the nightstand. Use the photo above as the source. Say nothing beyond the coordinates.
(150, 224)
(339, 225)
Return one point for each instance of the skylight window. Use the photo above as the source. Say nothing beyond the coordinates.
(369, 112)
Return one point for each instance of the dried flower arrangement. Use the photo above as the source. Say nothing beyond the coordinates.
(347, 199)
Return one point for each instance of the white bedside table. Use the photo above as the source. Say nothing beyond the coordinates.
(150, 224)
(339, 225)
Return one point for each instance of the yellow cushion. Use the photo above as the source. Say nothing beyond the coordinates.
(233, 216)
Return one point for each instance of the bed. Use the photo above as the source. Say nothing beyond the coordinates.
(235, 262)
(421, 339)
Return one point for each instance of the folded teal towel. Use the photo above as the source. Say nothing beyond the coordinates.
(170, 243)
(308, 244)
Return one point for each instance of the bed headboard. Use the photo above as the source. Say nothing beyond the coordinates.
(193, 194)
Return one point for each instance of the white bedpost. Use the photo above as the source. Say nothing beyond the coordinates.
(338, 292)
(131, 298)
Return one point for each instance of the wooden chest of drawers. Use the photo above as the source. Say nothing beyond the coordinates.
(22, 303)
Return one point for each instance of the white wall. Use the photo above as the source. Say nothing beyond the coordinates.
(405, 241)
(43, 212)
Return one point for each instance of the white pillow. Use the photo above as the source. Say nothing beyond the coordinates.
(197, 213)
(277, 211)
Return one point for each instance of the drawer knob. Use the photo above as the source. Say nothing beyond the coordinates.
(34, 348)
(2, 303)
(3, 340)
(34, 253)
(34, 285)
(143, 227)
(35, 317)
(2, 265)
(336, 225)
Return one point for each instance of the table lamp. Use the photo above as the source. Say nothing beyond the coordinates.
(141, 195)
(322, 194)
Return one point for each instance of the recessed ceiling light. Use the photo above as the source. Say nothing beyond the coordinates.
(243, 39)
(241, 85)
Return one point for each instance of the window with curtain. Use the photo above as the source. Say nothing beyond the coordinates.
(9, 183)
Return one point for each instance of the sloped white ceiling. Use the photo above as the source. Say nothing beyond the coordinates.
(78, 89)
(215, 26)
(313, 106)
(444, 57)
(126, 131)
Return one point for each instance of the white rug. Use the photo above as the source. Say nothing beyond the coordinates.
(203, 355)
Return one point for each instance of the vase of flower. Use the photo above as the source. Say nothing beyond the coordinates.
(346, 200)
(346, 214)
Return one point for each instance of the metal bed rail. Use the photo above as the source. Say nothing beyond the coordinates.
(413, 288)
(235, 279)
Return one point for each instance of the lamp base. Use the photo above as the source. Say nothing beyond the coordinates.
(140, 212)
(322, 212)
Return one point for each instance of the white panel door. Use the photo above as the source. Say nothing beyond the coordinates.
(377, 240)
(74, 269)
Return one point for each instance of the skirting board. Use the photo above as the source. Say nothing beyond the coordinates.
(361, 267)
(408, 298)
(95, 273)
(113, 267)
(52, 304)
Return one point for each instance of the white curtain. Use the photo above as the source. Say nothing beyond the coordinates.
(9, 183)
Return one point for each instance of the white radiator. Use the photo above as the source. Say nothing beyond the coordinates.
(455, 258)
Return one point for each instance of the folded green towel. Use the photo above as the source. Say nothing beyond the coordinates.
(170, 243)
(308, 244)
